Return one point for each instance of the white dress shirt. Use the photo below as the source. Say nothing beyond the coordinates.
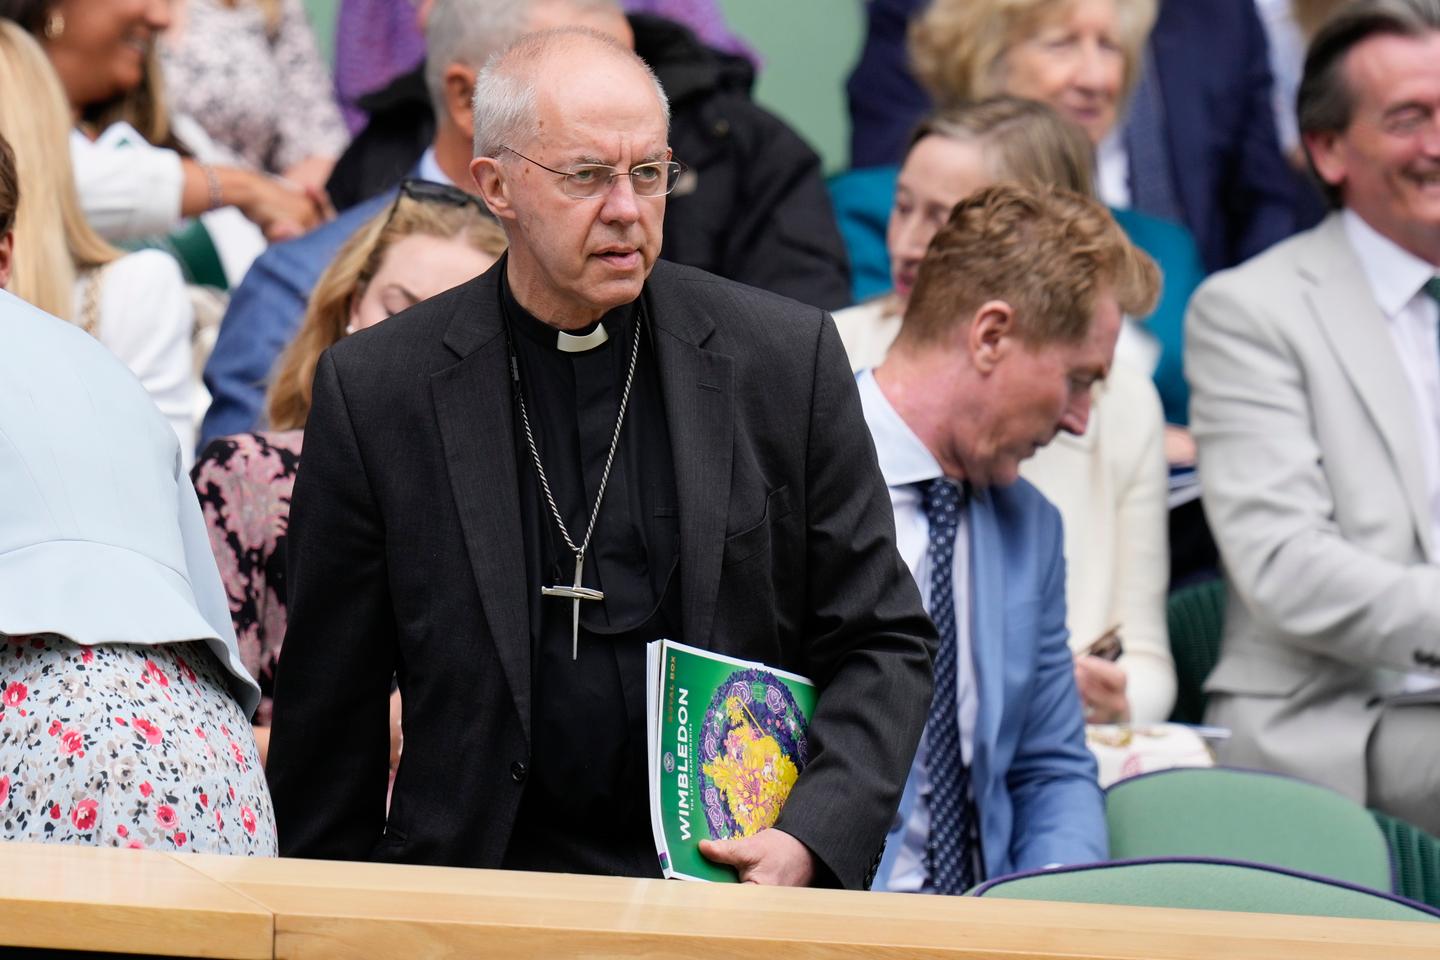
(905, 462)
(1397, 279)
(429, 168)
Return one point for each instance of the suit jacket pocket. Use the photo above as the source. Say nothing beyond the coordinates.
(755, 539)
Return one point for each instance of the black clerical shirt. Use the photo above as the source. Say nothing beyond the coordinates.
(585, 808)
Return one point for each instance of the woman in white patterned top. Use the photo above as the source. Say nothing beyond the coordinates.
(249, 73)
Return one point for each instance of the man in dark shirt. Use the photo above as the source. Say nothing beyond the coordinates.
(509, 489)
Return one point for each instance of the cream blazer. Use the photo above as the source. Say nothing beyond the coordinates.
(1315, 492)
(1111, 487)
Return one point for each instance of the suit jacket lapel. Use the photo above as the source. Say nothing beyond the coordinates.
(697, 385)
(987, 630)
(1345, 308)
(473, 408)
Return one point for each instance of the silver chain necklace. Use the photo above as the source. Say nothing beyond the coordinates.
(575, 592)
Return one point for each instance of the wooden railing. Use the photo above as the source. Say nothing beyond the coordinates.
(143, 902)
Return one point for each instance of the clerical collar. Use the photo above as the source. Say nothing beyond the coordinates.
(612, 326)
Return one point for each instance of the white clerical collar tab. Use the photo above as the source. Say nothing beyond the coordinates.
(569, 343)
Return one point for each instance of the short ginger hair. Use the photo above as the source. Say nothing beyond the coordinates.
(1046, 251)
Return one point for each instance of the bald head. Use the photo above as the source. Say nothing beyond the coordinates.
(553, 66)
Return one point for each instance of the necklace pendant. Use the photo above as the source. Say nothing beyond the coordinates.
(574, 593)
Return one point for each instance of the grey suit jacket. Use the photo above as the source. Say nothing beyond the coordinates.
(404, 539)
(1312, 484)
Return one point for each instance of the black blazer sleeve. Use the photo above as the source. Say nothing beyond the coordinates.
(870, 643)
(329, 745)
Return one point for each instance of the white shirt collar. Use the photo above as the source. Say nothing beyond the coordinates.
(903, 458)
(1395, 274)
(429, 168)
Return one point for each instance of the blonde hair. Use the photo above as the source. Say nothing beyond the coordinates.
(958, 46)
(1022, 140)
(355, 264)
(1046, 251)
(53, 240)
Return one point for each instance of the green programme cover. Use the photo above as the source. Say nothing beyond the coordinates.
(727, 740)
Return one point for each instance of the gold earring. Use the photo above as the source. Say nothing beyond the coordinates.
(54, 25)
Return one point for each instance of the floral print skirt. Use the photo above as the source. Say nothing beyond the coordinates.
(127, 746)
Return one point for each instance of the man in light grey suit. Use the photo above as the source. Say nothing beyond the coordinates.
(1315, 376)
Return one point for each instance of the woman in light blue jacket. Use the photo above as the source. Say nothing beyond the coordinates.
(124, 708)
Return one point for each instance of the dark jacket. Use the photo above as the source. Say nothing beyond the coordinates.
(752, 206)
(406, 525)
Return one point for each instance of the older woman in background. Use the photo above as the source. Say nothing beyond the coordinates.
(1082, 57)
(124, 715)
(135, 304)
(432, 238)
(1110, 483)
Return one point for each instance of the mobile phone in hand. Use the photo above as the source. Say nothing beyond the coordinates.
(1107, 646)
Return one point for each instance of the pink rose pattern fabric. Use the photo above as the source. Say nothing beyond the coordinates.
(244, 484)
(127, 746)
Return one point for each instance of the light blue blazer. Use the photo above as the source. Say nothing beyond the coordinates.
(1034, 781)
(101, 536)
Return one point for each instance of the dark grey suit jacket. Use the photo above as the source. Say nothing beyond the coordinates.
(405, 558)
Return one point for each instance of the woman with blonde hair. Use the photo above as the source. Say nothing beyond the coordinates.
(135, 304)
(431, 238)
(136, 177)
(1109, 483)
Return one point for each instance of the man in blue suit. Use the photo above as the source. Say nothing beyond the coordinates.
(1012, 320)
(267, 307)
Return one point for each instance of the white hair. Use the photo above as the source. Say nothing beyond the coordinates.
(504, 107)
(470, 32)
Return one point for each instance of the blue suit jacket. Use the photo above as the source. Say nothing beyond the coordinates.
(1034, 781)
(264, 313)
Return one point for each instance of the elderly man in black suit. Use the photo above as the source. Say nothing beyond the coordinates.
(509, 489)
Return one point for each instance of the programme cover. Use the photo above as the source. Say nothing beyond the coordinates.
(727, 740)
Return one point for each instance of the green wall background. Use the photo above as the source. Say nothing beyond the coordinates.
(809, 47)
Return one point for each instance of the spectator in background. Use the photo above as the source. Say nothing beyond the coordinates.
(125, 701)
(267, 307)
(248, 72)
(1317, 414)
(1080, 58)
(1201, 114)
(753, 206)
(1014, 316)
(432, 238)
(135, 176)
(135, 304)
(380, 41)
(1108, 482)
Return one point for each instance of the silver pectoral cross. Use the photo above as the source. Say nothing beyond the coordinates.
(576, 593)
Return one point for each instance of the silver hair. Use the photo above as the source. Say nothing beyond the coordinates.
(470, 32)
(505, 110)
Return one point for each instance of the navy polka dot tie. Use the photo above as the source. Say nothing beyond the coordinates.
(950, 854)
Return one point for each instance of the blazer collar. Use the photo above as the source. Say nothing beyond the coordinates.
(697, 383)
(987, 628)
(1340, 297)
(473, 409)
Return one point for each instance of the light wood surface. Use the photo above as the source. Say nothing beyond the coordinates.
(183, 904)
(82, 898)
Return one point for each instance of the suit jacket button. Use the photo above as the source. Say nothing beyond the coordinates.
(518, 770)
